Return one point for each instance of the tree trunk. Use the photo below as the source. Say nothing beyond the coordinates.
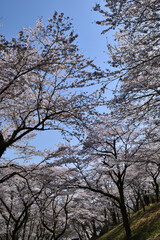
(14, 236)
(2, 145)
(156, 190)
(126, 223)
(2, 150)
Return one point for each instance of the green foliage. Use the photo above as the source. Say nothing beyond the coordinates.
(144, 226)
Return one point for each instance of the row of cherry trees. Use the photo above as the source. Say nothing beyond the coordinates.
(85, 199)
(135, 58)
(39, 203)
(45, 84)
(84, 193)
(118, 161)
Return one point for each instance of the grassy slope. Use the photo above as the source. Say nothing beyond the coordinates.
(144, 226)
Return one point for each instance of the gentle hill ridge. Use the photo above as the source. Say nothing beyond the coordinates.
(144, 226)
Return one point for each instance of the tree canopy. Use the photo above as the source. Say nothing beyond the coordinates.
(42, 80)
(85, 189)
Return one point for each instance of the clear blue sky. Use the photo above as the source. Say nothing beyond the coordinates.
(15, 14)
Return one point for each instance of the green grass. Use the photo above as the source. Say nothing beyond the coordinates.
(144, 226)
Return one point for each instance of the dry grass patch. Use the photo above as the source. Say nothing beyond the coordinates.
(144, 226)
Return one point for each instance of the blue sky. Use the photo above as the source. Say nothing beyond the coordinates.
(15, 14)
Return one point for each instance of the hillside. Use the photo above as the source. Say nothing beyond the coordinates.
(144, 226)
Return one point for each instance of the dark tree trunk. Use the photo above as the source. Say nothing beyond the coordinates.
(123, 209)
(14, 236)
(146, 199)
(126, 223)
(2, 145)
(114, 218)
(2, 150)
(156, 190)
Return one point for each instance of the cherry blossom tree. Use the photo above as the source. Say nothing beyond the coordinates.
(55, 202)
(102, 164)
(18, 215)
(138, 187)
(135, 56)
(35, 204)
(43, 83)
(149, 156)
(89, 214)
